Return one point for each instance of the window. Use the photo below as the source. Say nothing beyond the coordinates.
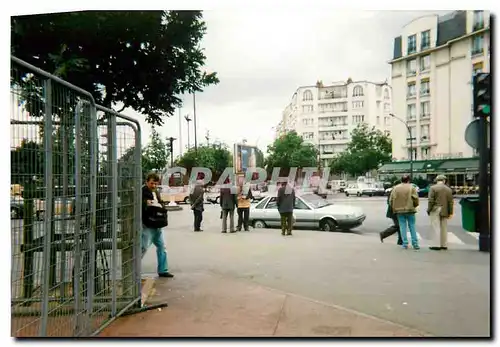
(378, 120)
(425, 38)
(308, 136)
(478, 21)
(357, 104)
(413, 133)
(425, 109)
(307, 109)
(327, 149)
(357, 91)
(411, 67)
(387, 120)
(324, 136)
(412, 154)
(424, 133)
(412, 44)
(425, 63)
(308, 121)
(412, 90)
(340, 120)
(477, 68)
(358, 119)
(387, 107)
(272, 204)
(477, 45)
(386, 95)
(411, 113)
(340, 107)
(339, 92)
(425, 152)
(299, 205)
(325, 107)
(424, 87)
(307, 96)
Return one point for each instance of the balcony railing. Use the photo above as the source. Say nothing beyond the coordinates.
(411, 73)
(425, 45)
(424, 92)
(411, 119)
(478, 26)
(412, 49)
(424, 139)
(425, 116)
(477, 51)
(411, 95)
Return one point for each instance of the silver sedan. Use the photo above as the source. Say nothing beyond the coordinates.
(310, 211)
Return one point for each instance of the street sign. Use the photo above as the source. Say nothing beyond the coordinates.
(471, 134)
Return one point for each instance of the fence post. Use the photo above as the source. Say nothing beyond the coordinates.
(112, 143)
(48, 206)
(138, 212)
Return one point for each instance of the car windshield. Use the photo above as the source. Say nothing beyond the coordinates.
(315, 201)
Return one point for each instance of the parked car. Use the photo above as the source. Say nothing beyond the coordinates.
(360, 189)
(311, 211)
(379, 189)
(389, 190)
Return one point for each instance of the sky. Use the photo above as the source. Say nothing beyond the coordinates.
(261, 58)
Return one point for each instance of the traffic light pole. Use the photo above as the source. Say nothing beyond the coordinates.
(484, 184)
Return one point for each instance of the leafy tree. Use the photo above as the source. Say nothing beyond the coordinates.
(215, 157)
(289, 151)
(367, 150)
(260, 161)
(156, 154)
(143, 59)
(26, 161)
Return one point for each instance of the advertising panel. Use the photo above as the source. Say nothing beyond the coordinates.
(245, 157)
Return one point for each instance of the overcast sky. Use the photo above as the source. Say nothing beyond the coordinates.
(263, 57)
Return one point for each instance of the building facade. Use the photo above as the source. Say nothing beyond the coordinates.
(325, 115)
(434, 60)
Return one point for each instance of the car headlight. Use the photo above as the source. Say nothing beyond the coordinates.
(350, 215)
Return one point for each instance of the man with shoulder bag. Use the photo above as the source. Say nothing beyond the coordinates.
(154, 218)
(196, 199)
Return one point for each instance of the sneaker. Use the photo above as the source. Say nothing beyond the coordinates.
(223, 231)
(404, 246)
(165, 274)
(416, 247)
(381, 238)
(435, 248)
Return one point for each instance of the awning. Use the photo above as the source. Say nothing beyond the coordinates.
(401, 166)
(431, 166)
(469, 164)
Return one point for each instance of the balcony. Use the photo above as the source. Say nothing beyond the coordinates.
(411, 119)
(411, 95)
(477, 51)
(425, 139)
(425, 92)
(425, 117)
(478, 26)
(411, 73)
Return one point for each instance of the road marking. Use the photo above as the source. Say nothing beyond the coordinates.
(474, 235)
(452, 238)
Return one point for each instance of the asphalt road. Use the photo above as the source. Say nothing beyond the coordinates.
(441, 293)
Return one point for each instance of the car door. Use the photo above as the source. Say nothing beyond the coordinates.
(304, 214)
(271, 214)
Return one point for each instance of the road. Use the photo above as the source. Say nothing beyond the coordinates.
(441, 293)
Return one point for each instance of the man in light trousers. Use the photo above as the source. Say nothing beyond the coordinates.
(440, 209)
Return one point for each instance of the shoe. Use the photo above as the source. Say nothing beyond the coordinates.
(381, 238)
(165, 274)
(283, 233)
(223, 231)
(247, 229)
(435, 248)
(400, 242)
(444, 248)
(416, 247)
(289, 234)
(232, 231)
(404, 246)
(239, 229)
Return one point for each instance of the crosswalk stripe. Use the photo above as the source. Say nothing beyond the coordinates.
(452, 238)
(474, 235)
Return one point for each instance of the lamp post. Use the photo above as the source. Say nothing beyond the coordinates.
(186, 117)
(171, 148)
(411, 141)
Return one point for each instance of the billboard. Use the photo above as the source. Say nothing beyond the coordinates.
(244, 157)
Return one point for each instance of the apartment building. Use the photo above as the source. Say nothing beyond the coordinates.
(326, 115)
(435, 58)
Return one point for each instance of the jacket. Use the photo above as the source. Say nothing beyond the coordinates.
(196, 198)
(440, 195)
(404, 198)
(244, 201)
(285, 202)
(148, 195)
(228, 200)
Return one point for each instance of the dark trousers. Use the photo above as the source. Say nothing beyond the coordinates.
(286, 222)
(392, 230)
(243, 216)
(198, 217)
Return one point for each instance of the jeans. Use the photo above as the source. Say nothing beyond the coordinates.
(243, 216)
(155, 236)
(198, 218)
(407, 220)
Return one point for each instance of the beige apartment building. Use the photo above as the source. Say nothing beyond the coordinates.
(434, 60)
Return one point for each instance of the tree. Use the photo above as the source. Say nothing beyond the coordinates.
(26, 161)
(289, 151)
(215, 157)
(156, 154)
(143, 59)
(367, 149)
(260, 161)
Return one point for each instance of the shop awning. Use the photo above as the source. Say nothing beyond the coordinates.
(400, 166)
(469, 164)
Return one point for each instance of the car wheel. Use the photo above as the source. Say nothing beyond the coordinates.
(346, 194)
(370, 195)
(327, 225)
(259, 224)
(14, 213)
(186, 200)
(358, 194)
(217, 200)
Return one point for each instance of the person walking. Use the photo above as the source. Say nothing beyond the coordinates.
(440, 209)
(286, 202)
(228, 202)
(244, 202)
(150, 234)
(196, 199)
(404, 202)
(394, 228)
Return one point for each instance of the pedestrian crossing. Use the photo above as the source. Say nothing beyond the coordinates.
(454, 238)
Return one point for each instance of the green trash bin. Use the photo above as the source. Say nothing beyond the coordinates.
(470, 213)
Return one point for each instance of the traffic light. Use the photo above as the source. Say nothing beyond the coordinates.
(482, 94)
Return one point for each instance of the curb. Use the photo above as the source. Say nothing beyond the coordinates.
(147, 289)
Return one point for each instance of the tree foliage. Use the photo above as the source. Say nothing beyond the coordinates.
(367, 150)
(289, 151)
(26, 161)
(143, 59)
(259, 158)
(216, 157)
(156, 154)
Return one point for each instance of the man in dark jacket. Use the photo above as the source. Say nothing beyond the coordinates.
(286, 202)
(228, 202)
(196, 199)
(393, 228)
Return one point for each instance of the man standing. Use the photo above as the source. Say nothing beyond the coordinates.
(404, 202)
(150, 197)
(196, 199)
(228, 202)
(286, 203)
(393, 228)
(440, 209)
(244, 202)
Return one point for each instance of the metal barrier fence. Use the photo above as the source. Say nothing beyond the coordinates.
(75, 211)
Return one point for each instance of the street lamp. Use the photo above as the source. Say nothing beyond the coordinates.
(171, 148)
(411, 138)
(186, 117)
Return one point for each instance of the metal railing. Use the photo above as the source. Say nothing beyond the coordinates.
(75, 229)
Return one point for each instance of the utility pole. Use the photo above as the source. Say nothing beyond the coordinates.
(207, 137)
(186, 117)
(180, 133)
(171, 148)
(482, 110)
(195, 128)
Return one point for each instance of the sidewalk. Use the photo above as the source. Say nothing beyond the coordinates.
(207, 305)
